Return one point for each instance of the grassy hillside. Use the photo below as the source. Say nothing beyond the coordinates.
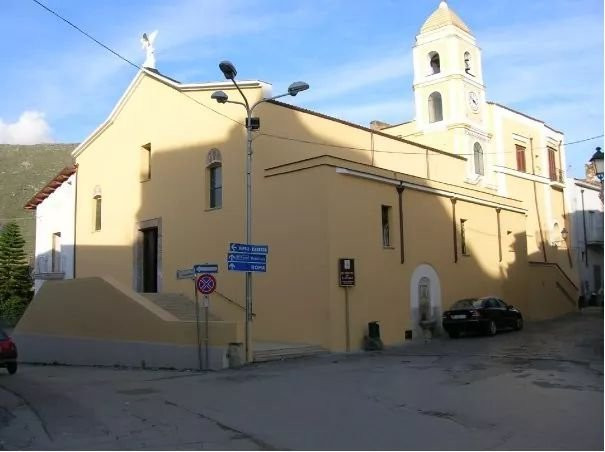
(25, 169)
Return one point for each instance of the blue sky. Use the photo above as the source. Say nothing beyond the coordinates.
(543, 57)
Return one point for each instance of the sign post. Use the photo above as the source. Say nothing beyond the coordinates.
(346, 279)
(197, 326)
(249, 258)
(205, 284)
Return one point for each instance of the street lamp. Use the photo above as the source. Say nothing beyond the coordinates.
(229, 71)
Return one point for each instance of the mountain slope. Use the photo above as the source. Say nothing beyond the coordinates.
(25, 169)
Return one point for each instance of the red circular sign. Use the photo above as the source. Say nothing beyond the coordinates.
(206, 284)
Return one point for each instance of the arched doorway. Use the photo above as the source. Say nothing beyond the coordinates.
(425, 298)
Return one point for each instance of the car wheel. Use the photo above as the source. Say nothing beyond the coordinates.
(12, 368)
(491, 328)
(519, 324)
(454, 334)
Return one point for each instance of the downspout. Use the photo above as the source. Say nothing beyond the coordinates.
(400, 189)
(454, 230)
(565, 216)
(499, 235)
(584, 225)
(533, 170)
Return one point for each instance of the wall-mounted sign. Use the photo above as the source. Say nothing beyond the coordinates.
(346, 272)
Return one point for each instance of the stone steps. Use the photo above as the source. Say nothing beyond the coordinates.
(281, 352)
(178, 305)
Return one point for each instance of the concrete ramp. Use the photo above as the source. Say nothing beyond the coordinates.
(97, 321)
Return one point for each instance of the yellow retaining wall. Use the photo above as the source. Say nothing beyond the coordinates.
(550, 293)
(100, 308)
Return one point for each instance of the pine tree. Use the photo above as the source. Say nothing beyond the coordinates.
(15, 280)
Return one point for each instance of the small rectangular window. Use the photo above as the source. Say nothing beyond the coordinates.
(97, 202)
(216, 186)
(463, 246)
(386, 225)
(145, 173)
(520, 150)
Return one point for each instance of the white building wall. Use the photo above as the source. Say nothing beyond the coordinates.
(587, 257)
(55, 215)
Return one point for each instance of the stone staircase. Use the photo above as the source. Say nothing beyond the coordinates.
(267, 351)
(178, 305)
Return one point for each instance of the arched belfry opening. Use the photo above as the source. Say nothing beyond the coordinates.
(434, 63)
(435, 107)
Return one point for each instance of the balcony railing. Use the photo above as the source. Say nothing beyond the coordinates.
(557, 176)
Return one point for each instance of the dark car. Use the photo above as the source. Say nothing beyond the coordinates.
(486, 315)
(8, 353)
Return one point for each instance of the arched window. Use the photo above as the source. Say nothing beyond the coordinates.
(478, 154)
(467, 62)
(434, 63)
(214, 165)
(435, 107)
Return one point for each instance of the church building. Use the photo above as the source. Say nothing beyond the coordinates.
(464, 201)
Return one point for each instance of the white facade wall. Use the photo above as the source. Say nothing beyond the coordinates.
(586, 250)
(55, 215)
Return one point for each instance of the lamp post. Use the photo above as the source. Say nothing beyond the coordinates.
(597, 162)
(252, 123)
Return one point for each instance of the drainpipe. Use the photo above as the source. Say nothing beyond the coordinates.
(400, 189)
(533, 170)
(499, 235)
(454, 231)
(584, 225)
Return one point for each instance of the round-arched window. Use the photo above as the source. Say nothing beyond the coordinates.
(478, 159)
(435, 107)
(434, 63)
(467, 62)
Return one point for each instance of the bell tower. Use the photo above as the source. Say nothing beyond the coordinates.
(448, 77)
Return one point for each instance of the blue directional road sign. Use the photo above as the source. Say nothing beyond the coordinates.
(243, 248)
(205, 268)
(246, 267)
(243, 257)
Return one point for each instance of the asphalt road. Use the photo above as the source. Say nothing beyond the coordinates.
(541, 388)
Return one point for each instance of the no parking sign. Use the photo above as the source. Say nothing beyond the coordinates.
(206, 284)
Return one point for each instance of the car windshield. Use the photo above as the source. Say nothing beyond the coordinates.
(467, 303)
(3, 335)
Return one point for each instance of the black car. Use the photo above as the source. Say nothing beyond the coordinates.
(485, 315)
(8, 353)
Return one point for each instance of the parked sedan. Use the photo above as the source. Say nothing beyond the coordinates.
(8, 353)
(485, 315)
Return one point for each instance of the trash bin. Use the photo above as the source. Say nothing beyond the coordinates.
(373, 330)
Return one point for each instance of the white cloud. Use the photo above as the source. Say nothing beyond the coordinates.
(336, 81)
(30, 128)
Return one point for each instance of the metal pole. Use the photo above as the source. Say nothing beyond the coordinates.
(206, 335)
(249, 355)
(347, 327)
(197, 325)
